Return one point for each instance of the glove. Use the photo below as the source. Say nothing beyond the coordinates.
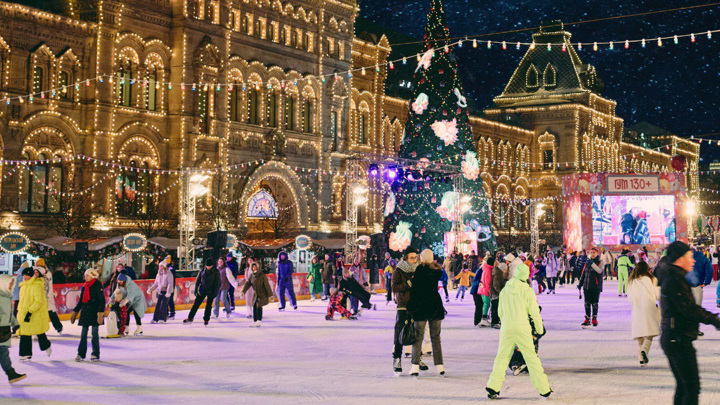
(27, 317)
(73, 317)
(100, 318)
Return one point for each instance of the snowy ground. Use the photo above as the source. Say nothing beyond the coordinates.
(298, 357)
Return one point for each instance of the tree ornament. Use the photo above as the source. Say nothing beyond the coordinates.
(390, 204)
(420, 104)
(401, 238)
(678, 162)
(462, 101)
(471, 166)
(446, 130)
(425, 60)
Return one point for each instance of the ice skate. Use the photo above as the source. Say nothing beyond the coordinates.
(594, 322)
(79, 359)
(519, 369)
(312, 299)
(206, 323)
(281, 309)
(546, 395)
(14, 376)
(352, 318)
(423, 366)
(48, 351)
(495, 326)
(248, 316)
(25, 358)
(397, 366)
(171, 318)
(187, 321)
(440, 369)
(295, 307)
(328, 318)
(415, 370)
(138, 331)
(644, 359)
(484, 323)
(163, 321)
(492, 394)
(228, 315)
(153, 322)
(94, 358)
(586, 324)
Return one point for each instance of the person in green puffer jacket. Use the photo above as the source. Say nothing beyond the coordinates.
(517, 302)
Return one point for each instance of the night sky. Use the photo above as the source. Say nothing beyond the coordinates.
(674, 87)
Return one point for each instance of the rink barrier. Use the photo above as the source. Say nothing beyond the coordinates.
(67, 295)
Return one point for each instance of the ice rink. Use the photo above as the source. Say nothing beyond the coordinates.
(298, 357)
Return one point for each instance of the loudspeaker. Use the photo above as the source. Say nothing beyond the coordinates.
(217, 240)
(81, 250)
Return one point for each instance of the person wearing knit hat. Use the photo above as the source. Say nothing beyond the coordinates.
(401, 284)
(207, 285)
(680, 319)
(7, 320)
(137, 302)
(591, 283)
(517, 303)
(16, 289)
(33, 314)
(426, 309)
(91, 310)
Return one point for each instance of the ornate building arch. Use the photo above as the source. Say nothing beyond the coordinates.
(287, 188)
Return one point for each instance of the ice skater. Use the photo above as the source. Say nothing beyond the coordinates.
(227, 282)
(464, 277)
(681, 317)
(50, 292)
(482, 293)
(552, 267)
(401, 282)
(164, 285)
(624, 265)
(388, 280)
(137, 303)
(207, 285)
(285, 280)
(643, 293)
(336, 302)
(328, 275)
(33, 314)
(7, 321)
(261, 293)
(314, 279)
(517, 361)
(517, 303)
(119, 314)
(91, 308)
(591, 282)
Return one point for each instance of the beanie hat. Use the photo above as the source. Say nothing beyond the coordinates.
(40, 262)
(166, 261)
(208, 262)
(522, 272)
(490, 261)
(676, 250)
(28, 271)
(426, 256)
(92, 273)
(122, 277)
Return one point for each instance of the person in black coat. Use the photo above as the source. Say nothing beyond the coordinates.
(91, 308)
(374, 271)
(681, 317)
(207, 285)
(591, 283)
(425, 307)
(352, 287)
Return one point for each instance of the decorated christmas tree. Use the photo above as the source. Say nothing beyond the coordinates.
(438, 146)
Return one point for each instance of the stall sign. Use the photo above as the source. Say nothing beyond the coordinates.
(303, 242)
(134, 242)
(621, 184)
(14, 242)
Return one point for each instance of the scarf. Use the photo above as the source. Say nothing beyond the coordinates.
(86, 290)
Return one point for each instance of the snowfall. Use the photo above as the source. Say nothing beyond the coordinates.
(299, 357)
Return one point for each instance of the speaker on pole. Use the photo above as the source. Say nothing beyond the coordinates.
(217, 240)
(81, 250)
(377, 245)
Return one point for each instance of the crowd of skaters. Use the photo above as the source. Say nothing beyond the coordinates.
(504, 287)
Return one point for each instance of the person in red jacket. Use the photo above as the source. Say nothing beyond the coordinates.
(481, 293)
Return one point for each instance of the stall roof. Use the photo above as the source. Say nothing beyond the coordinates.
(167, 243)
(267, 244)
(64, 244)
(332, 244)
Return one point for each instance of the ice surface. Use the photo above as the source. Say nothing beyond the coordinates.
(298, 357)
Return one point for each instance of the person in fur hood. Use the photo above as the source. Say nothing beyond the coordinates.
(285, 280)
(401, 284)
(426, 308)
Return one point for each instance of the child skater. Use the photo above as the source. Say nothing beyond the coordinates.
(336, 303)
(517, 362)
(118, 317)
(464, 278)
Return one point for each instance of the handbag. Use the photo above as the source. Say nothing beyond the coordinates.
(407, 335)
(5, 333)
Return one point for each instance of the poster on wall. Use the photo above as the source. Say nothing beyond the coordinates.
(633, 220)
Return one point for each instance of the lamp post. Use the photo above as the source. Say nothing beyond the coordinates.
(193, 186)
(536, 211)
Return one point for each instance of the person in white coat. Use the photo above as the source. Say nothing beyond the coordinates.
(164, 284)
(643, 293)
(552, 266)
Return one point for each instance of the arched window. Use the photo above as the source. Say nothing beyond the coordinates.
(246, 24)
(308, 116)
(124, 86)
(283, 36)
(152, 85)
(531, 78)
(519, 220)
(41, 186)
(254, 107)
(37, 83)
(132, 189)
(271, 32)
(550, 76)
(362, 138)
(64, 84)
(235, 102)
(306, 41)
(290, 113)
(258, 28)
(272, 110)
(333, 129)
(232, 21)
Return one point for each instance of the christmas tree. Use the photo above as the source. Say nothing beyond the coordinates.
(438, 146)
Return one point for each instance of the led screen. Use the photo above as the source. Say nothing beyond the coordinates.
(633, 220)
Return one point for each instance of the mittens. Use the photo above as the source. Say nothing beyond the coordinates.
(100, 318)
(27, 317)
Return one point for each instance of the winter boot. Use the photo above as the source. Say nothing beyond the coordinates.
(397, 365)
(138, 331)
(492, 394)
(415, 370)
(594, 322)
(586, 323)
(14, 376)
(423, 366)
